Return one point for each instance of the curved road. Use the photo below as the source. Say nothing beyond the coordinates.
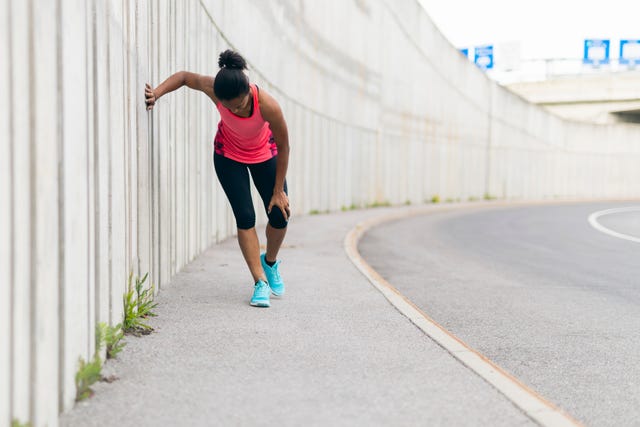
(539, 289)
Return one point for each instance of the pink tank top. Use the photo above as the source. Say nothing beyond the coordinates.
(244, 139)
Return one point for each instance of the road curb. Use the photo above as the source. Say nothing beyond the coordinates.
(531, 403)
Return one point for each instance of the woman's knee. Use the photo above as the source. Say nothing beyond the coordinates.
(276, 219)
(245, 219)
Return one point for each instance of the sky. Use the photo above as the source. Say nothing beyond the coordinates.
(545, 28)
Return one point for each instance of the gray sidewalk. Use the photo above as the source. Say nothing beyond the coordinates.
(332, 351)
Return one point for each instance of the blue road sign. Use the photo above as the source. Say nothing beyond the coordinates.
(483, 56)
(630, 52)
(465, 51)
(596, 52)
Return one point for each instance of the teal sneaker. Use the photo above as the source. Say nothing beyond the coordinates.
(261, 293)
(273, 276)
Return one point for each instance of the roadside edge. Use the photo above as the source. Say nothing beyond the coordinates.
(531, 403)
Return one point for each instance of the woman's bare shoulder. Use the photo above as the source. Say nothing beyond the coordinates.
(268, 104)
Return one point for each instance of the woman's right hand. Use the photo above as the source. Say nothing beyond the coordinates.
(150, 97)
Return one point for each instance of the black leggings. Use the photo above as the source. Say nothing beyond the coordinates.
(234, 178)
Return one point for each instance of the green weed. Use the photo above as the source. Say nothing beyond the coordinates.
(87, 375)
(112, 336)
(382, 204)
(351, 207)
(138, 305)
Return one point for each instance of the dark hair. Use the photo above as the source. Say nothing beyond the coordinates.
(231, 82)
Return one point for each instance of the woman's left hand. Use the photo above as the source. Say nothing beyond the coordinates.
(150, 96)
(280, 200)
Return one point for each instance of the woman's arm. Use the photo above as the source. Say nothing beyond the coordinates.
(176, 81)
(272, 113)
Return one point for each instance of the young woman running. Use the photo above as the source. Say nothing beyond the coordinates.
(252, 138)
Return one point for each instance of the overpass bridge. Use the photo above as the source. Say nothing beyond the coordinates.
(596, 98)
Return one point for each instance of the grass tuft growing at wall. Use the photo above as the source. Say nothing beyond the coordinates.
(138, 305)
(112, 339)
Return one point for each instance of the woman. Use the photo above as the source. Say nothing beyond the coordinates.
(252, 138)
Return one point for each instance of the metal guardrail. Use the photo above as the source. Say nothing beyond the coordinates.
(544, 69)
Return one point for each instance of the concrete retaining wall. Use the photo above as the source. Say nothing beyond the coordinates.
(380, 109)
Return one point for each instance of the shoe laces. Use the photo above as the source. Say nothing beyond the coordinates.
(276, 270)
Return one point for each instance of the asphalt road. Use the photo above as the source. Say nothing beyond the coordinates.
(537, 289)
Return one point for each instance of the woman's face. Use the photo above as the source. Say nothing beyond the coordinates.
(239, 105)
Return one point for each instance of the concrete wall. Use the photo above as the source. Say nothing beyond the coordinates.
(380, 109)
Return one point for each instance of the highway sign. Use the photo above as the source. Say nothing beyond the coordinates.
(596, 52)
(483, 56)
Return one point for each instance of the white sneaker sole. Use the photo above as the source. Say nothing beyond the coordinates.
(260, 304)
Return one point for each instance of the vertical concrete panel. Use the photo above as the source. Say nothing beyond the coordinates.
(205, 128)
(416, 169)
(308, 162)
(140, 59)
(91, 141)
(157, 37)
(131, 123)
(102, 127)
(186, 142)
(294, 156)
(372, 140)
(297, 160)
(161, 121)
(22, 206)
(193, 142)
(327, 176)
(336, 169)
(6, 217)
(174, 110)
(45, 259)
(117, 144)
(347, 179)
(356, 167)
(179, 99)
(152, 28)
(199, 142)
(345, 168)
(313, 159)
(214, 118)
(428, 164)
(193, 133)
(74, 295)
(206, 133)
(108, 181)
(210, 123)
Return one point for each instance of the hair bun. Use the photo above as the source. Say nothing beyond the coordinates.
(232, 60)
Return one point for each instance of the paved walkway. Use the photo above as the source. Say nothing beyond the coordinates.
(333, 351)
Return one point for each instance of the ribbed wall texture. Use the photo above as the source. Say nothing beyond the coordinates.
(379, 106)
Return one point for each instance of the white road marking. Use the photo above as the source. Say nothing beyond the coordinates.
(593, 220)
